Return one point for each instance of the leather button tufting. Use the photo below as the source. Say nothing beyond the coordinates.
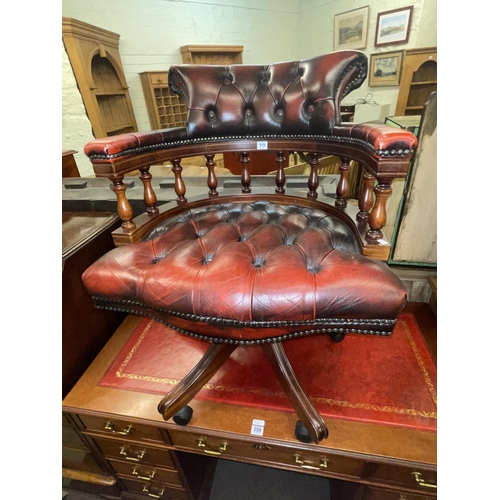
(279, 112)
(227, 81)
(310, 108)
(211, 114)
(248, 112)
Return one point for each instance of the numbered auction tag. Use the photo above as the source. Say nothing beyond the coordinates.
(257, 427)
(261, 144)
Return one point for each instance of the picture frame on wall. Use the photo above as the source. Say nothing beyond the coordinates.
(393, 26)
(350, 29)
(385, 68)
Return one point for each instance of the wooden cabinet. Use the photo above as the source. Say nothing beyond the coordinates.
(418, 80)
(95, 59)
(165, 109)
(212, 54)
(140, 457)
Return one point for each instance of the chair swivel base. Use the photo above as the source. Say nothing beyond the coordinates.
(174, 404)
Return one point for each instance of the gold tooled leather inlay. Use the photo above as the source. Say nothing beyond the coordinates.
(120, 373)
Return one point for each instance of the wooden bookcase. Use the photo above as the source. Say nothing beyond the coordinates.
(212, 54)
(165, 109)
(95, 60)
(418, 80)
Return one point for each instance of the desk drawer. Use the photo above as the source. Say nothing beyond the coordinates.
(149, 473)
(293, 458)
(159, 78)
(136, 453)
(380, 494)
(121, 428)
(414, 478)
(154, 490)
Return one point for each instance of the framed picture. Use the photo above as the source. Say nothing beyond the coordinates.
(350, 29)
(385, 68)
(393, 26)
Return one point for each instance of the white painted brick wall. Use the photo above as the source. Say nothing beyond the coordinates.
(76, 128)
(152, 32)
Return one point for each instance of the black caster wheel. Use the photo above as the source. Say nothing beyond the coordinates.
(337, 336)
(301, 433)
(183, 416)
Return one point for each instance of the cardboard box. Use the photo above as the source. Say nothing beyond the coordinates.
(370, 113)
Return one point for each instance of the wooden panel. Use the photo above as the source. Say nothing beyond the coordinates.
(165, 109)
(69, 167)
(417, 240)
(155, 490)
(212, 54)
(418, 80)
(96, 63)
(381, 494)
(146, 472)
(291, 457)
(121, 428)
(134, 452)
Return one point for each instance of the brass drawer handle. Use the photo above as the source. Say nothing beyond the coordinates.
(137, 473)
(138, 458)
(306, 464)
(111, 428)
(146, 490)
(421, 481)
(222, 448)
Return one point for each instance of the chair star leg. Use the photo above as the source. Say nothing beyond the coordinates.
(192, 383)
(306, 411)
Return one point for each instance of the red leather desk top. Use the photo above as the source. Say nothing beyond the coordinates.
(389, 381)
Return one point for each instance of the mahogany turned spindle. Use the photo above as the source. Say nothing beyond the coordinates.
(280, 172)
(365, 200)
(124, 208)
(179, 186)
(343, 185)
(149, 194)
(245, 172)
(378, 215)
(313, 181)
(212, 179)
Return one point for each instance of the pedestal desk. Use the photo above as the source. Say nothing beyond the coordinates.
(153, 458)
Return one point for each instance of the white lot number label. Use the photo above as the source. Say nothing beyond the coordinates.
(261, 144)
(257, 427)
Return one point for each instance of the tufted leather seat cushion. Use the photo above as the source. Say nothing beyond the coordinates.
(250, 272)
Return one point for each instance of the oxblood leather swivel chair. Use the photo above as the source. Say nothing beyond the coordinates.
(256, 269)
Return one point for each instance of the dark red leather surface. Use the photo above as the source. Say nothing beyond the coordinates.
(250, 262)
(388, 380)
(283, 100)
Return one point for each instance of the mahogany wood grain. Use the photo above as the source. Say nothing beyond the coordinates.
(86, 236)
(180, 187)
(280, 172)
(212, 179)
(343, 185)
(301, 403)
(149, 194)
(69, 167)
(124, 208)
(313, 181)
(191, 384)
(245, 172)
(378, 215)
(365, 201)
